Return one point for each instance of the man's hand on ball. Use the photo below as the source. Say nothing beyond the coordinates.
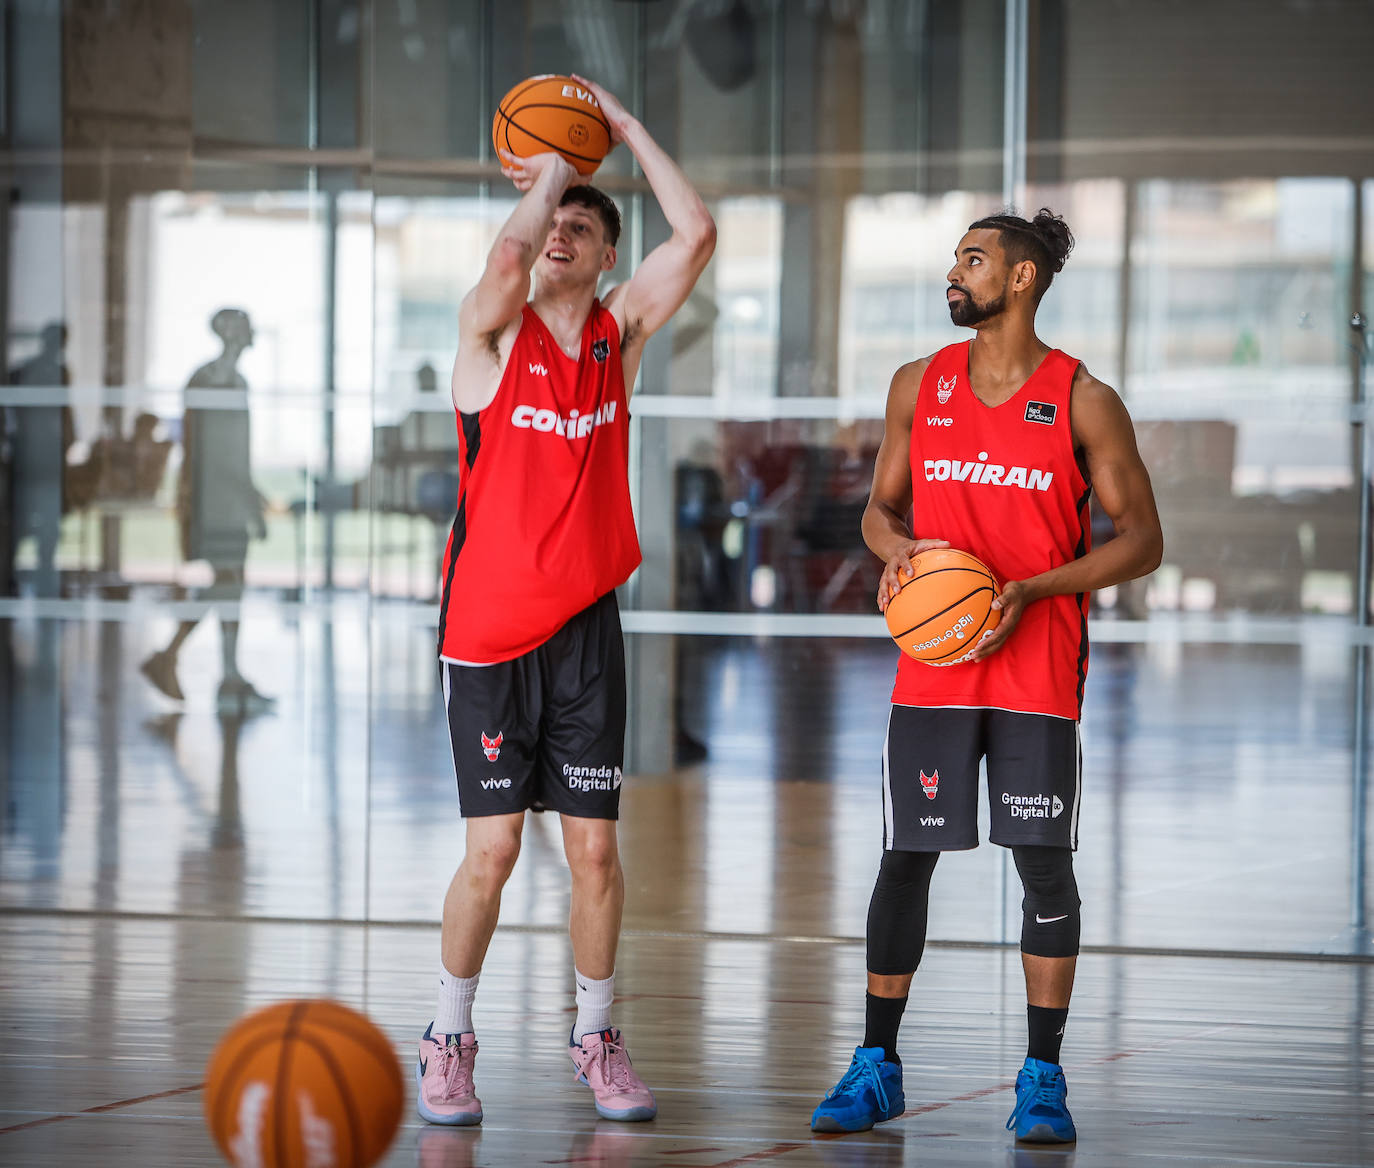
(525, 172)
(898, 570)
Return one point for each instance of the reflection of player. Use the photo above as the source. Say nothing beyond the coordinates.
(40, 437)
(533, 661)
(994, 446)
(219, 509)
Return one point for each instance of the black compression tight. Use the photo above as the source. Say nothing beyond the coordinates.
(899, 908)
(897, 912)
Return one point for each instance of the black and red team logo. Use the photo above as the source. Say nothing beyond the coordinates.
(601, 349)
(491, 747)
(930, 784)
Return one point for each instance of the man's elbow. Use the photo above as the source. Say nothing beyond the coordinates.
(1152, 554)
(701, 238)
(510, 259)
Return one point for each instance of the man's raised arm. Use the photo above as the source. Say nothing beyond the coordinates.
(663, 281)
(500, 294)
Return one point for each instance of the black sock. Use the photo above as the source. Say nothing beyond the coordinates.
(882, 1017)
(1046, 1026)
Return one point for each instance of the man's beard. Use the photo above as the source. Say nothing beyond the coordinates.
(967, 312)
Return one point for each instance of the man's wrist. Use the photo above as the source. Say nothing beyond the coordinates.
(896, 548)
(632, 133)
(1034, 589)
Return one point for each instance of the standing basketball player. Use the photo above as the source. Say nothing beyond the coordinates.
(994, 446)
(529, 632)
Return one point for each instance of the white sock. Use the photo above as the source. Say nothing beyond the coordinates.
(454, 1015)
(593, 1005)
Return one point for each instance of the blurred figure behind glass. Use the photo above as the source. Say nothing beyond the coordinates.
(219, 509)
(39, 439)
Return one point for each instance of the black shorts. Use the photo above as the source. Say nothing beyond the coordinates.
(547, 730)
(930, 778)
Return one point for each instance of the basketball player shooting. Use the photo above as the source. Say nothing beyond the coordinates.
(994, 446)
(532, 657)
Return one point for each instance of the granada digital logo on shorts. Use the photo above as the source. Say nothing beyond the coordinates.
(1033, 806)
(591, 778)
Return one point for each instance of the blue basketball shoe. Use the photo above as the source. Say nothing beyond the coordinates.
(868, 1093)
(1041, 1114)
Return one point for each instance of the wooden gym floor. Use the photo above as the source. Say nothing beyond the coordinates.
(163, 872)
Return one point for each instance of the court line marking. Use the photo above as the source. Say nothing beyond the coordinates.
(102, 1107)
(1101, 1060)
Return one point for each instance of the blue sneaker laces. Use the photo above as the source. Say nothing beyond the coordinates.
(861, 1071)
(1044, 1088)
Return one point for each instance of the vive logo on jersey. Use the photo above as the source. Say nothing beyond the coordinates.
(538, 370)
(573, 426)
(1042, 412)
(1033, 806)
(932, 821)
(930, 784)
(987, 474)
(944, 388)
(936, 420)
(601, 349)
(496, 784)
(592, 778)
(491, 747)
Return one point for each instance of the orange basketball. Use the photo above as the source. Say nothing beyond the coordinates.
(943, 611)
(303, 1083)
(552, 112)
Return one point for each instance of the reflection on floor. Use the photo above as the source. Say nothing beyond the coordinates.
(164, 869)
(1206, 1061)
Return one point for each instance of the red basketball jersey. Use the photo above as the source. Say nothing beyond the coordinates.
(1005, 484)
(544, 525)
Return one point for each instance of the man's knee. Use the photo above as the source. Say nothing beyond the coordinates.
(1051, 921)
(492, 849)
(591, 848)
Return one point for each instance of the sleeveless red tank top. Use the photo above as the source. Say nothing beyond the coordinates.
(544, 526)
(1005, 484)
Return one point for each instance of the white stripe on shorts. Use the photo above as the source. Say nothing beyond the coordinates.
(888, 825)
(1077, 783)
(448, 697)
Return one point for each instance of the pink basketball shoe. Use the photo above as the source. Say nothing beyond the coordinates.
(604, 1065)
(443, 1079)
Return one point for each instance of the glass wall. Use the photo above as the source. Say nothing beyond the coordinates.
(236, 249)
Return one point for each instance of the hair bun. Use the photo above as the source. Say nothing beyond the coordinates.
(1055, 235)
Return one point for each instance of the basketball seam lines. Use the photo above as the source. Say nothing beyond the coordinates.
(234, 1070)
(975, 635)
(947, 608)
(529, 84)
(342, 1025)
(326, 1056)
(550, 145)
(280, 1098)
(572, 109)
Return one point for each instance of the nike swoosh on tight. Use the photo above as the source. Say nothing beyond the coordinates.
(1039, 920)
